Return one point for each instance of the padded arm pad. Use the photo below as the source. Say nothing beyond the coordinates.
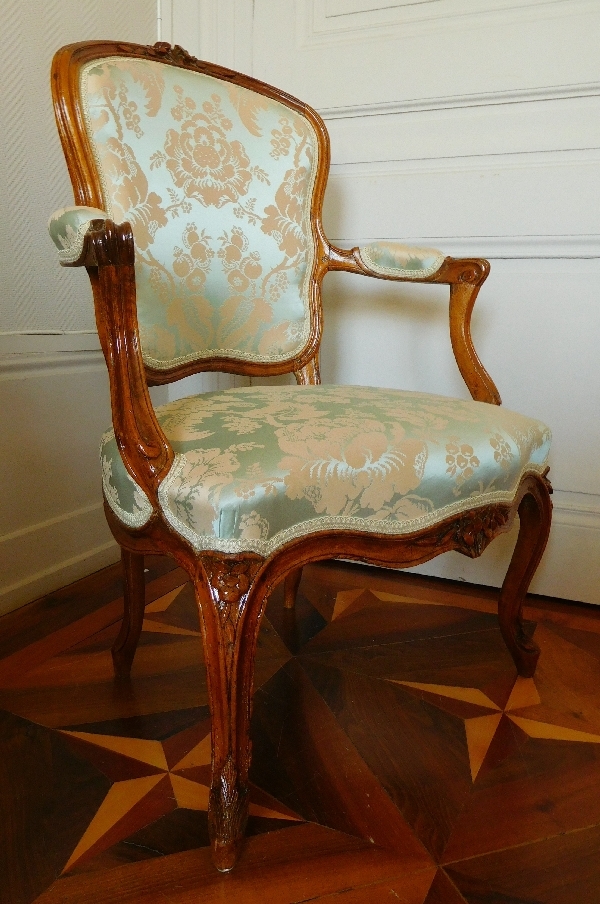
(68, 226)
(401, 261)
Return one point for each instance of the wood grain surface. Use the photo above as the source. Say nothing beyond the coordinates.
(397, 756)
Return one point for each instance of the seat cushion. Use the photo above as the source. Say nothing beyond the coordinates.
(256, 467)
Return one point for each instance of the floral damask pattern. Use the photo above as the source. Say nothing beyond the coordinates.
(131, 198)
(349, 467)
(461, 461)
(203, 162)
(220, 213)
(284, 218)
(258, 466)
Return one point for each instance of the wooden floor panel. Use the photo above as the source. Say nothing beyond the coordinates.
(396, 755)
(563, 869)
(307, 862)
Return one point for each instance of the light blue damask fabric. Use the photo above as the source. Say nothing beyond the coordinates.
(68, 226)
(402, 261)
(259, 466)
(216, 181)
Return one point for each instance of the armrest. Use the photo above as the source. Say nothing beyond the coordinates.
(68, 227)
(398, 261)
(391, 260)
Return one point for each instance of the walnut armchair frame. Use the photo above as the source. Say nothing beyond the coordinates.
(232, 589)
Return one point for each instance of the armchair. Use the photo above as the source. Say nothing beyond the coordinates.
(198, 196)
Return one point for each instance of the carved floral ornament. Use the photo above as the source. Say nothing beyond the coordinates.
(230, 578)
(475, 530)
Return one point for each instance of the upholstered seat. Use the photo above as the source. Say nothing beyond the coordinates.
(198, 200)
(257, 467)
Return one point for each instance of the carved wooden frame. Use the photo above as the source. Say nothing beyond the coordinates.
(231, 590)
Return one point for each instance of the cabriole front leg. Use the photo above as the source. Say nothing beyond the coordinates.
(535, 515)
(230, 613)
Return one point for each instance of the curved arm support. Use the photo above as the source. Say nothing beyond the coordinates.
(465, 277)
(145, 450)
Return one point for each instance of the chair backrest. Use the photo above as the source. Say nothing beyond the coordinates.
(221, 178)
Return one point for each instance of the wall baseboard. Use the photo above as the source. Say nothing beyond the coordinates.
(35, 585)
(50, 554)
(574, 539)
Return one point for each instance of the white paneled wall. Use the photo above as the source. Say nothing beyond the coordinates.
(53, 385)
(473, 125)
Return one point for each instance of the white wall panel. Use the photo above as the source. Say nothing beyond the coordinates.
(53, 384)
(52, 526)
(447, 47)
(37, 294)
(473, 125)
(541, 195)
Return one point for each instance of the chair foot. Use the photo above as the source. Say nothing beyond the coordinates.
(134, 597)
(535, 514)
(227, 816)
(290, 587)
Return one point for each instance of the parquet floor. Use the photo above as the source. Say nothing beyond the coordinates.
(397, 758)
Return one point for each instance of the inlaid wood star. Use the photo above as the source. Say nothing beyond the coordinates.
(496, 719)
(150, 779)
(162, 615)
(489, 728)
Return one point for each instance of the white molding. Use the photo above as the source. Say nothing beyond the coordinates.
(588, 518)
(461, 101)
(19, 366)
(467, 162)
(576, 509)
(393, 21)
(498, 247)
(32, 342)
(52, 522)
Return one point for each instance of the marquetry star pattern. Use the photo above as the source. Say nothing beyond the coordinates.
(493, 729)
(151, 778)
(157, 615)
(489, 727)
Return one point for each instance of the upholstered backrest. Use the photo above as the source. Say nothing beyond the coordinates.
(216, 181)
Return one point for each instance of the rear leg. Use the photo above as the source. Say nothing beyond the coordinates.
(134, 598)
(535, 514)
(290, 587)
